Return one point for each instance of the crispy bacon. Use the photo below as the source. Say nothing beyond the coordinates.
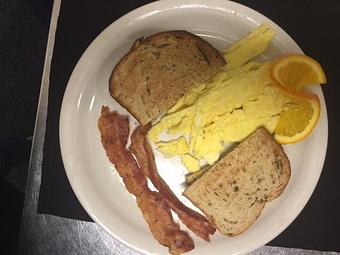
(140, 147)
(114, 129)
(157, 214)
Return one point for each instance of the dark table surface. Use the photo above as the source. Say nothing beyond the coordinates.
(314, 25)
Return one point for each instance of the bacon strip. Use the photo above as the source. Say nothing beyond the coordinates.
(157, 214)
(114, 129)
(140, 147)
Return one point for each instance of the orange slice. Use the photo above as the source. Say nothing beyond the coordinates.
(297, 71)
(298, 118)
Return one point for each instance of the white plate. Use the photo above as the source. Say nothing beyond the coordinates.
(95, 181)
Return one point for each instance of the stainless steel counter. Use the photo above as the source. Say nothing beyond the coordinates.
(45, 234)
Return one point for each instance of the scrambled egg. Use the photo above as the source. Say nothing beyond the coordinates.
(174, 147)
(227, 109)
(191, 163)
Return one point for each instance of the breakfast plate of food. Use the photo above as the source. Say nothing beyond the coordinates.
(194, 127)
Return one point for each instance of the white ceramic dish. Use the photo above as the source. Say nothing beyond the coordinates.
(95, 181)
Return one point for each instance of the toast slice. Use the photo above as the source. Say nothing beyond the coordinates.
(233, 192)
(159, 70)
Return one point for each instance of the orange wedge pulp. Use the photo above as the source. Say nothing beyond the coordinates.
(299, 117)
(297, 71)
(291, 73)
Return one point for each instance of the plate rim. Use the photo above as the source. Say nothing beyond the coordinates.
(143, 10)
